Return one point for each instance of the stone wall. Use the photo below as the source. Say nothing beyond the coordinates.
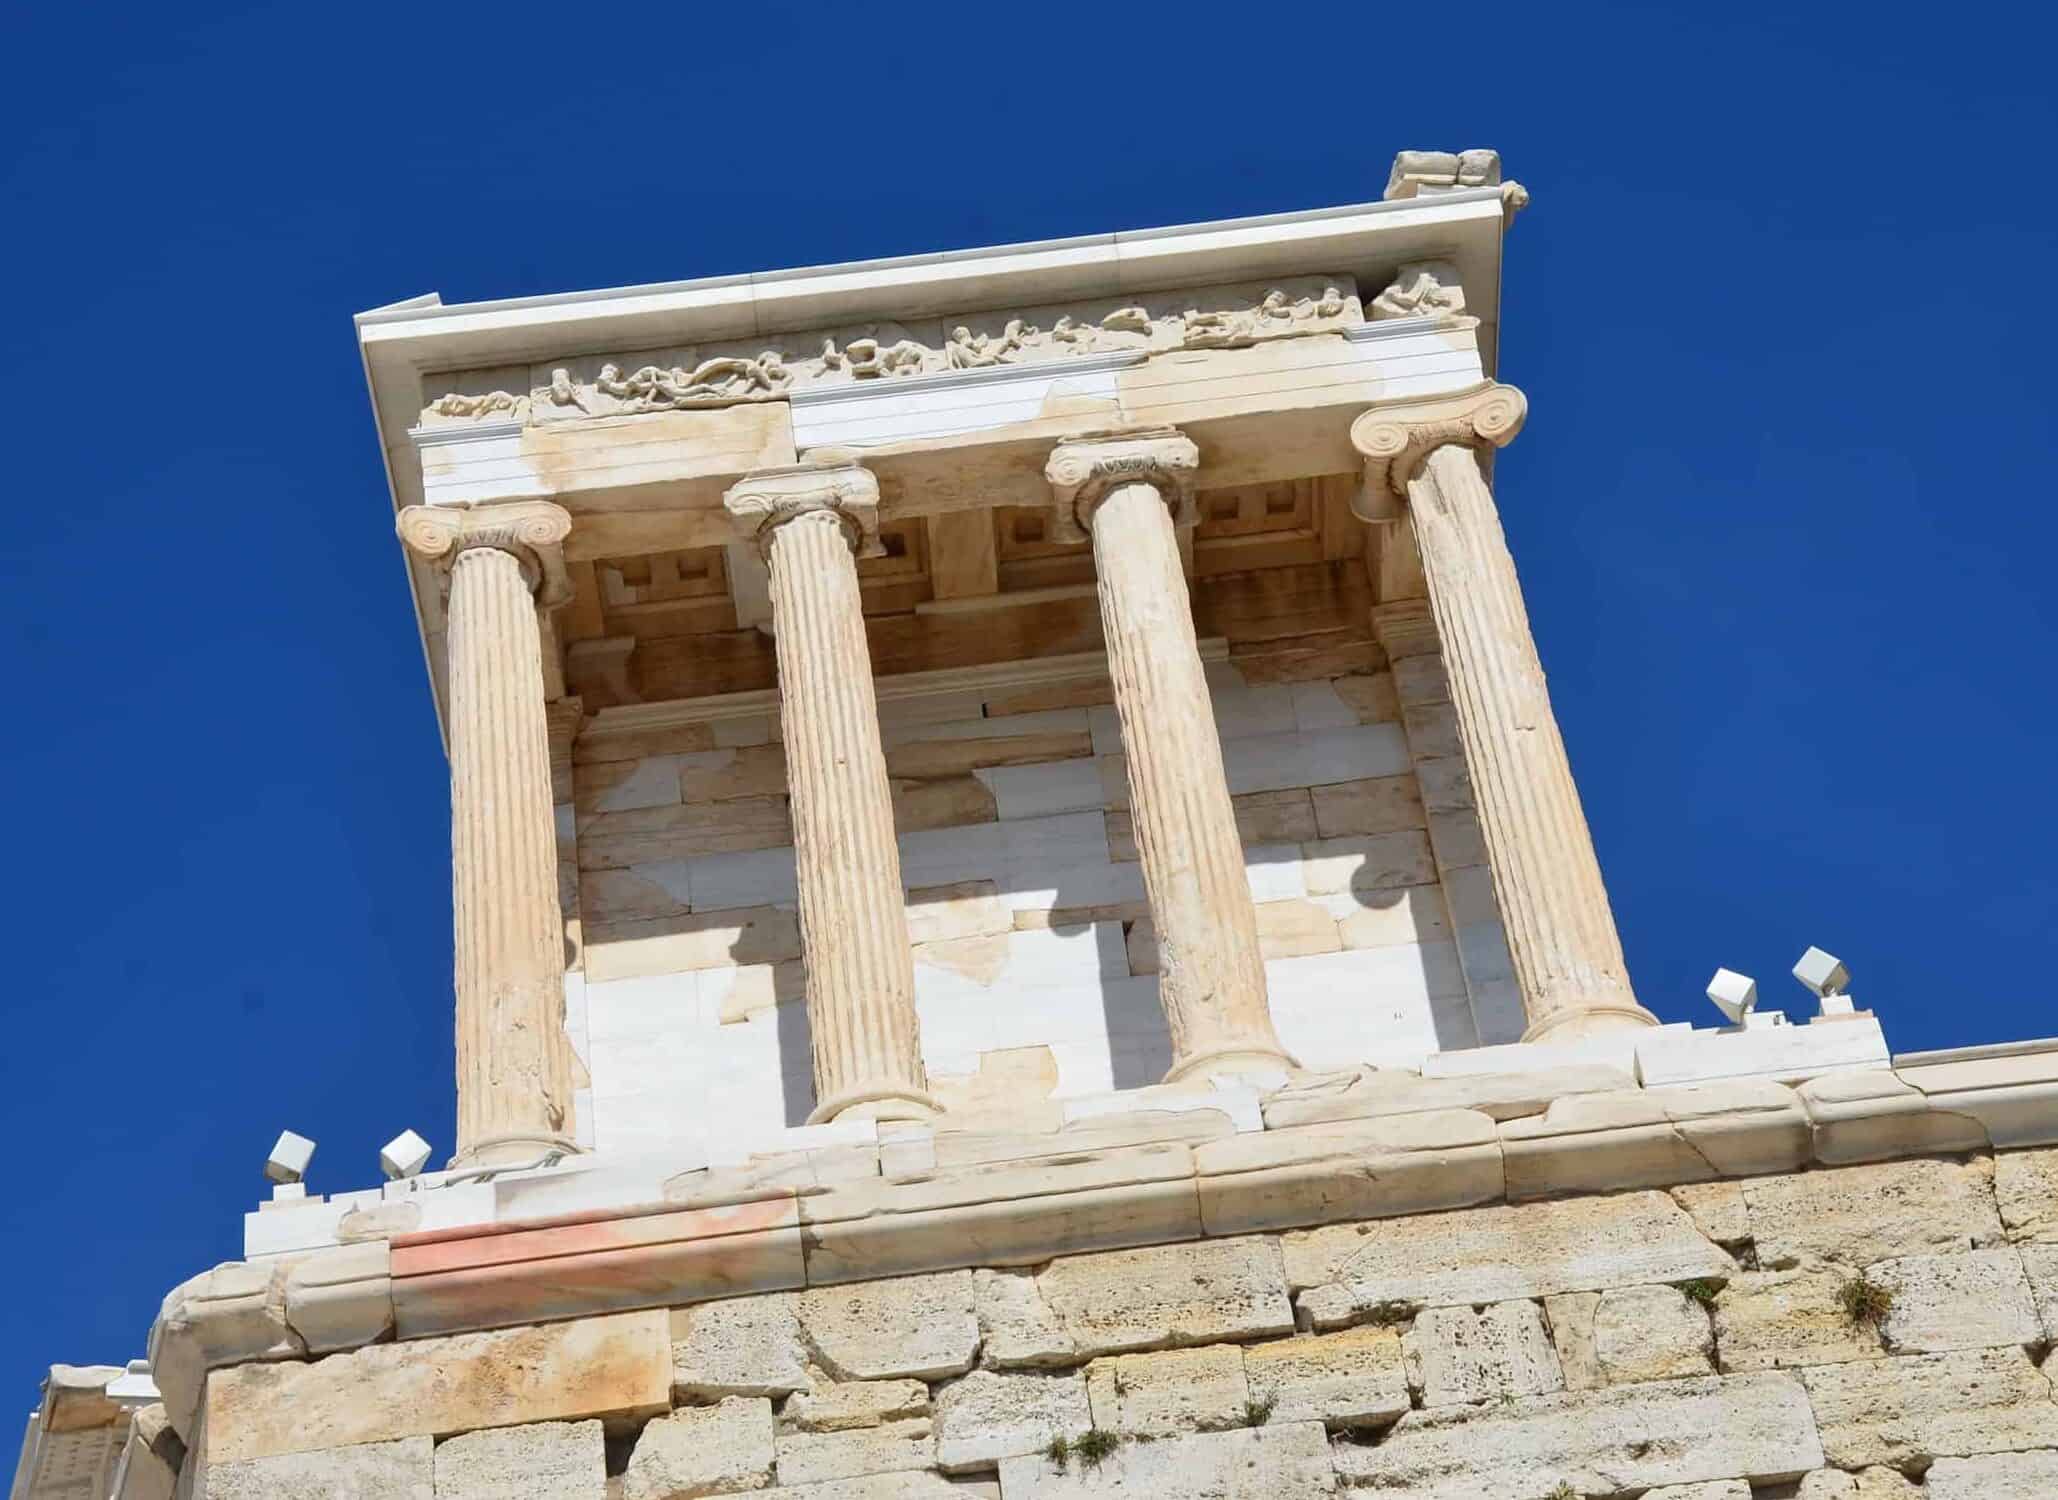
(1840, 1333)
(1035, 961)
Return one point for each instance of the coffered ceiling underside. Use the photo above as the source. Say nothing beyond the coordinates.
(1279, 570)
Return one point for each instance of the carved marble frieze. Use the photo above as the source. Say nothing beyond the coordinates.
(1422, 289)
(775, 368)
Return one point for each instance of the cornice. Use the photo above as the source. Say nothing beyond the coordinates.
(954, 280)
(404, 341)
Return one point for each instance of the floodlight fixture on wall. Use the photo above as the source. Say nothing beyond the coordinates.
(289, 1158)
(1822, 973)
(404, 1156)
(1734, 994)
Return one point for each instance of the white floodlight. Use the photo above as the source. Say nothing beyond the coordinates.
(1734, 994)
(1824, 974)
(289, 1158)
(404, 1156)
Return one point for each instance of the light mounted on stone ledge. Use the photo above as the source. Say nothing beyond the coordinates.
(289, 1158)
(1825, 976)
(404, 1156)
(1734, 994)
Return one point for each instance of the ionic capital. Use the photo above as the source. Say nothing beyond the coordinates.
(766, 500)
(1084, 467)
(531, 531)
(1393, 440)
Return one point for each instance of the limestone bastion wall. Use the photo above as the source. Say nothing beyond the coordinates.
(1873, 1329)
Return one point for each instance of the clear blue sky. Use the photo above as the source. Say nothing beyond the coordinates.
(1783, 506)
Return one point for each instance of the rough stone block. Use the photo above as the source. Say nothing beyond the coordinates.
(836, 1406)
(1169, 1295)
(702, 1450)
(540, 1461)
(2026, 1188)
(1170, 1392)
(399, 1470)
(1624, 1439)
(988, 1416)
(742, 1346)
(1714, 1489)
(1866, 1484)
(1570, 1318)
(1457, 1354)
(2040, 1264)
(1017, 1328)
(617, 1365)
(1348, 1379)
(1942, 1302)
(1717, 1209)
(1900, 1411)
(812, 1457)
(1289, 1462)
(906, 1484)
(1496, 1254)
(1768, 1320)
(1996, 1476)
(146, 1474)
(1858, 1215)
(1651, 1333)
(918, 1327)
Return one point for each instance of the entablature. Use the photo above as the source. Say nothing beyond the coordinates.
(950, 378)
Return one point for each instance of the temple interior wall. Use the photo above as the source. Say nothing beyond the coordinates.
(1035, 962)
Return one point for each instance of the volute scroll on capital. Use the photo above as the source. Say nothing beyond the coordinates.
(1084, 467)
(1394, 440)
(530, 531)
(764, 501)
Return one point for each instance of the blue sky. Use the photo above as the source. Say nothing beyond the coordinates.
(1782, 508)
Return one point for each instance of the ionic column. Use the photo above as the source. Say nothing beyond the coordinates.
(1561, 931)
(810, 523)
(514, 1066)
(1124, 490)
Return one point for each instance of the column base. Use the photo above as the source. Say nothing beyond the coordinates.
(513, 1150)
(1268, 1061)
(1589, 1020)
(876, 1104)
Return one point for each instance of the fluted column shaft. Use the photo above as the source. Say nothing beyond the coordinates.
(514, 1073)
(1561, 930)
(853, 919)
(1211, 977)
